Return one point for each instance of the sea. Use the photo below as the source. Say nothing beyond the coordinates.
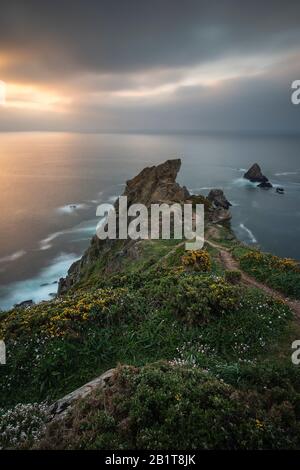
(52, 183)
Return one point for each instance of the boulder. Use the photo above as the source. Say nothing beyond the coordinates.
(25, 304)
(62, 406)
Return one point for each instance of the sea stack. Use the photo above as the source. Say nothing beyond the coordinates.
(255, 175)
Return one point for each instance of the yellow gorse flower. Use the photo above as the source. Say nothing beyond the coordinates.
(271, 261)
(259, 424)
(197, 259)
(60, 316)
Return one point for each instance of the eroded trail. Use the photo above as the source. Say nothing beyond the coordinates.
(230, 263)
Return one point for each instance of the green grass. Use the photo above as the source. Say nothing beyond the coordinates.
(191, 317)
(214, 334)
(282, 274)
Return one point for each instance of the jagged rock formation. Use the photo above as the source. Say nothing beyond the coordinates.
(218, 199)
(265, 185)
(255, 175)
(156, 184)
(219, 212)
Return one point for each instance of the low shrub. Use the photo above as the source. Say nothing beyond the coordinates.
(163, 407)
(282, 274)
(243, 335)
(198, 260)
(63, 316)
(195, 298)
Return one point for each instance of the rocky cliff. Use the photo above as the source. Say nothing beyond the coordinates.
(156, 184)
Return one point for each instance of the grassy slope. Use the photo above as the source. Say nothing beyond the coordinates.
(154, 308)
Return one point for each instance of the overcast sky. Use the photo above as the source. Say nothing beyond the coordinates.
(88, 65)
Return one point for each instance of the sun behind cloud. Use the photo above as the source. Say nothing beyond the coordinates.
(33, 97)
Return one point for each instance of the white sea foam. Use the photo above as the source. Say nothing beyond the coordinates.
(112, 198)
(38, 288)
(249, 233)
(287, 173)
(46, 244)
(13, 257)
(243, 182)
(241, 170)
(206, 188)
(89, 228)
(203, 188)
(71, 208)
(96, 201)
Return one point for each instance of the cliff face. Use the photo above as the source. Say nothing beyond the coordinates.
(156, 184)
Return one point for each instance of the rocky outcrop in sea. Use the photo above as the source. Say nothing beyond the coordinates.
(255, 175)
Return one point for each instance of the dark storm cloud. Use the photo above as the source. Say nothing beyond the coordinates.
(57, 38)
(257, 104)
(150, 64)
